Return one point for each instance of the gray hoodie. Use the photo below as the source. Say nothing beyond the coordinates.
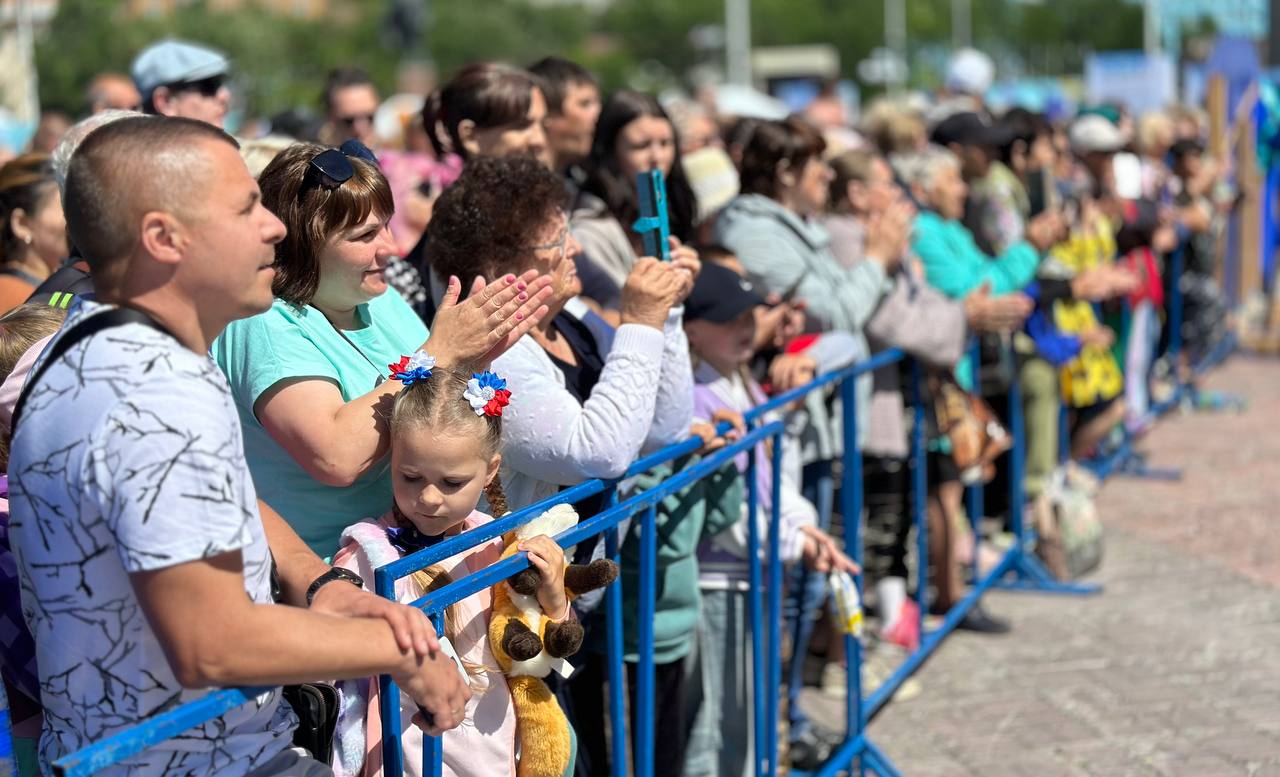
(784, 254)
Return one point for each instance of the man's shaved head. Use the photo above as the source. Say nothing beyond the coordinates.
(127, 169)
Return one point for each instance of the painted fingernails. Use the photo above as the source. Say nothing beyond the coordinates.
(519, 317)
(521, 286)
(510, 278)
(523, 296)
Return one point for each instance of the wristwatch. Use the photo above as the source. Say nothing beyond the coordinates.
(337, 573)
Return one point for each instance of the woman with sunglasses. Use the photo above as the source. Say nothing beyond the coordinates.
(307, 375)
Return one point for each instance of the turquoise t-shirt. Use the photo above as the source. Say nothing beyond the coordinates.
(292, 342)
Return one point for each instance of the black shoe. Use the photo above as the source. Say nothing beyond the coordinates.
(977, 620)
(811, 748)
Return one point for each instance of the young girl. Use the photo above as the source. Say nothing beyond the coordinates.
(445, 432)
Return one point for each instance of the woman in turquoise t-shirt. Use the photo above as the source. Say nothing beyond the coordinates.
(310, 375)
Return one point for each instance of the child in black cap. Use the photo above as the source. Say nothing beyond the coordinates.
(720, 321)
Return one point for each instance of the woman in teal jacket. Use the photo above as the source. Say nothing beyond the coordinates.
(953, 262)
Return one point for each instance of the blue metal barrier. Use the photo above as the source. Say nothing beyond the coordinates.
(1018, 568)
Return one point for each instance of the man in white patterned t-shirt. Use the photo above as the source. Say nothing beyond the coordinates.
(134, 520)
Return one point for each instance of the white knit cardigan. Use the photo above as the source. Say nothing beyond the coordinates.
(642, 402)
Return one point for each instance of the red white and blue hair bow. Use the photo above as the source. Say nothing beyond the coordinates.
(413, 369)
(487, 394)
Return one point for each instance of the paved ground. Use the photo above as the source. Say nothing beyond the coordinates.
(1174, 670)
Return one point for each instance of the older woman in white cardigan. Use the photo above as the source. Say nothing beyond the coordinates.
(587, 399)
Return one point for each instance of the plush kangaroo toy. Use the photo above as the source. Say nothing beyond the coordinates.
(529, 646)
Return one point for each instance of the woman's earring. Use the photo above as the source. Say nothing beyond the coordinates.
(27, 239)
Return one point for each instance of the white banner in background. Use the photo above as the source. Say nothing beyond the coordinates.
(1139, 82)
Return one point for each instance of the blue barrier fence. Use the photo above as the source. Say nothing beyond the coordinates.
(1017, 569)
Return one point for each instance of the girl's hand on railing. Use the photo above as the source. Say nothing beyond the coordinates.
(548, 558)
(711, 441)
(822, 554)
(412, 628)
(792, 370)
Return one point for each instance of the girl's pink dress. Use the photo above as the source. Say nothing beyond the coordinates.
(484, 745)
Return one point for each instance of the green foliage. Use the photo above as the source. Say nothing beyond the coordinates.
(278, 61)
(281, 61)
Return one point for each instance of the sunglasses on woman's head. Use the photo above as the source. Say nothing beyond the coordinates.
(332, 168)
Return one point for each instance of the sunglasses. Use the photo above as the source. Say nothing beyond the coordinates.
(207, 87)
(332, 167)
(352, 121)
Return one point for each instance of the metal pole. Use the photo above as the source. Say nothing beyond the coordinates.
(1151, 27)
(920, 494)
(737, 49)
(775, 602)
(644, 717)
(851, 502)
(433, 747)
(28, 107)
(755, 620)
(975, 496)
(614, 651)
(895, 35)
(389, 694)
(961, 24)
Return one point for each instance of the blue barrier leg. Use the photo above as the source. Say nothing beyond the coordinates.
(755, 620)
(7, 765)
(433, 747)
(389, 694)
(1174, 307)
(851, 504)
(856, 744)
(920, 495)
(614, 651)
(643, 714)
(975, 499)
(775, 603)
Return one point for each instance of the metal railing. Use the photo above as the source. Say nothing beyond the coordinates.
(1018, 569)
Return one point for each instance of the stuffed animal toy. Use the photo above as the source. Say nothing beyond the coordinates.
(529, 646)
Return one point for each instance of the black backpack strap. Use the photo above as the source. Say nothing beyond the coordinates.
(86, 328)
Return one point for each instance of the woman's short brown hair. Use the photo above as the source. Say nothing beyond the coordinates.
(792, 140)
(485, 223)
(491, 94)
(314, 214)
(853, 165)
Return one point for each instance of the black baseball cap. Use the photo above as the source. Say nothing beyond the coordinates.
(969, 129)
(720, 295)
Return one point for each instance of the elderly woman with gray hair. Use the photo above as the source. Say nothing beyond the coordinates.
(934, 329)
(953, 262)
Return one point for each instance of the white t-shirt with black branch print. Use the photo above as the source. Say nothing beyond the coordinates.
(129, 458)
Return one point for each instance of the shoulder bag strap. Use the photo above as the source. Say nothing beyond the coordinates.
(86, 328)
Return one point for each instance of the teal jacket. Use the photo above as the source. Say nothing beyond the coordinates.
(706, 508)
(955, 265)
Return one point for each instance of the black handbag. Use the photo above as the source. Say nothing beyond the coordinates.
(316, 705)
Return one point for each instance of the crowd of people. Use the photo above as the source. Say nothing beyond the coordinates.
(271, 365)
